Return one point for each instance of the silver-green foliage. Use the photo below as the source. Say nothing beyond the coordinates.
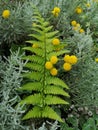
(83, 78)
(17, 26)
(10, 79)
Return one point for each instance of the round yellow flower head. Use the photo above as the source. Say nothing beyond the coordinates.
(73, 59)
(88, 5)
(55, 14)
(53, 59)
(78, 25)
(35, 45)
(79, 10)
(67, 58)
(75, 28)
(57, 9)
(6, 14)
(73, 23)
(67, 66)
(56, 41)
(48, 65)
(96, 59)
(53, 71)
(81, 30)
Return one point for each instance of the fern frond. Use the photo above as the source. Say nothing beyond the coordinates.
(32, 99)
(36, 86)
(33, 75)
(37, 37)
(52, 89)
(37, 51)
(54, 100)
(33, 58)
(46, 112)
(34, 66)
(51, 34)
(48, 29)
(58, 53)
(47, 89)
(56, 81)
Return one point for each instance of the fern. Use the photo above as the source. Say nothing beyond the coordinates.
(46, 89)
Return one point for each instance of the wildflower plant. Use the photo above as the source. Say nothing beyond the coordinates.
(46, 89)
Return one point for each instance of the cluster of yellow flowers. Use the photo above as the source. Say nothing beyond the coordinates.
(49, 65)
(56, 11)
(69, 61)
(76, 26)
(6, 14)
(78, 10)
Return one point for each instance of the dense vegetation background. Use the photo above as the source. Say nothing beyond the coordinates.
(55, 44)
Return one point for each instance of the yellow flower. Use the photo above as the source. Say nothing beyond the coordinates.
(88, 5)
(53, 71)
(6, 14)
(73, 23)
(67, 66)
(81, 30)
(53, 59)
(73, 59)
(75, 28)
(96, 59)
(78, 25)
(56, 41)
(48, 65)
(70, 59)
(79, 10)
(35, 45)
(56, 11)
(67, 58)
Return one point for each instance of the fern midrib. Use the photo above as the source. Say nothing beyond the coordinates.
(44, 77)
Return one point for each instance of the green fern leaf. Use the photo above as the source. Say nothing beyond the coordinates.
(36, 86)
(54, 100)
(56, 81)
(51, 89)
(33, 58)
(48, 29)
(33, 99)
(37, 51)
(38, 37)
(34, 66)
(33, 75)
(39, 112)
(51, 34)
(58, 53)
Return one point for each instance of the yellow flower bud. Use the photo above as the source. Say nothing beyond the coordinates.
(53, 59)
(73, 23)
(6, 14)
(67, 66)
(81, 30)
(67, 58)
(56, 41)
(73, 59)
(79, 10)
(53, 71)
(96, 59)
(48, 65)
